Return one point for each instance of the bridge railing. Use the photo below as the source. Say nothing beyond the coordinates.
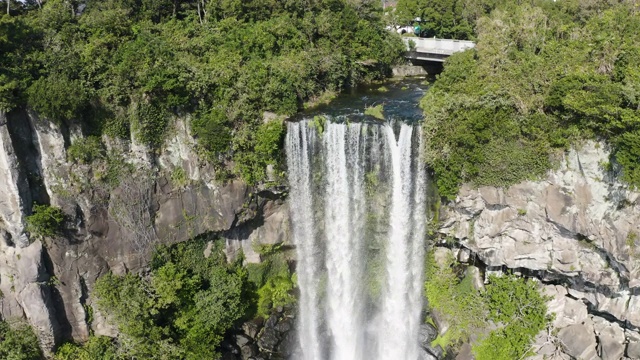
(438, 46)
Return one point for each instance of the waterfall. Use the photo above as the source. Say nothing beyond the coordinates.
(357, 205)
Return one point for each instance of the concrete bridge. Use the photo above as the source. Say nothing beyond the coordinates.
(433, 49)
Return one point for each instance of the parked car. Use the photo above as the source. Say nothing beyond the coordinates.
(401, 29)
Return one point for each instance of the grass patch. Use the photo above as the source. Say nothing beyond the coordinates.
(323, 99)
(85, 150)
(375, 111)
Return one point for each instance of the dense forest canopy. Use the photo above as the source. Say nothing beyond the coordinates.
(126, 67)
(543, 76)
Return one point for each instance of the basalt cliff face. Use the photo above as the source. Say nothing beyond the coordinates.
(113, 228)
(577, 231)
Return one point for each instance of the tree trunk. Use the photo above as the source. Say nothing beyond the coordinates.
(199, 13)
(8, 7)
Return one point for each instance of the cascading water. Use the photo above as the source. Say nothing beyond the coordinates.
(358, 213)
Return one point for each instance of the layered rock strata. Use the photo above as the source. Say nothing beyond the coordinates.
(577, 231)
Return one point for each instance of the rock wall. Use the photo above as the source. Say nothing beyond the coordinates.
(48, 281)
(577, 231)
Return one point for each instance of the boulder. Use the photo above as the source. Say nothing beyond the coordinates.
(633, 346)
(437, 352)
(579, 340)
(465, 353)
(427, 334)
(423, 354)
(464, 255)
(610, 339)
(440, 321)
(268, 340)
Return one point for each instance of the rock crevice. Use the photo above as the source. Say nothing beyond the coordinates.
(110, 227)
(576, 230)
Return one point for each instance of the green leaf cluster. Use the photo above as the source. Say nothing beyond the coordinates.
(85, 150)
(45, 221)
(513, 305)
(254, 150)
(273, 280)
(519, 308)
(96, 348)
(542, 76)
(455, 300)
(450, 19)
(182, 309)
(18, 342)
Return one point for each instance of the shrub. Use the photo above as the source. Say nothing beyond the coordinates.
(517, 306)
(183, 309)
(456, 300)
(179, 177)
(45, 221)
(96, 348)
(513, 304)
(255, 150)
(57, 97)
(276, 292)
(149, 122)
(85, 150)
(273, 279)
(499, 112)
(18, 342)
(213, 131)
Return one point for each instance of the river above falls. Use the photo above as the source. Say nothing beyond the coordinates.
(400, 100)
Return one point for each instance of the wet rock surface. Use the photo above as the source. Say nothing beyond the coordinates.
(270, 339)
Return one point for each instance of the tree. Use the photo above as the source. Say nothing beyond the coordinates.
(18, 342)
(45, 221)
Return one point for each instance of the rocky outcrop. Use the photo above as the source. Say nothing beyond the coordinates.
(576, 230)
(158, 198)
(261, 339)
(14, 192)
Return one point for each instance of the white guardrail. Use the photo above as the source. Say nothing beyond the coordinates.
(438, 46)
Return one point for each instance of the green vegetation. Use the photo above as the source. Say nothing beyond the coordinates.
(179, 177)
(319, 122)
(450, 19)
(375, 111)
(513, 305)
(45, 221)
(96, 348)
(456, 301)
(254, 150)
(123, 67)
(18, 342)
(322, 99)
(183, 309)
(543, 75)
(273, 280)
(520, 311)
(85, 150)
(443, 18)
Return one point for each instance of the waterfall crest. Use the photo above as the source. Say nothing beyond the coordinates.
(358, 214)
